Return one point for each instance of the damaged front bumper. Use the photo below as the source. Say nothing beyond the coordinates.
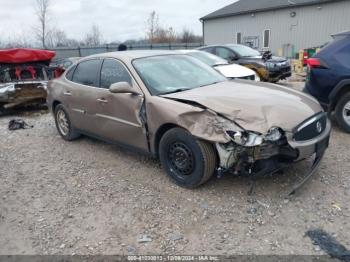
(279, 75)
(19, 93)
(271, 157)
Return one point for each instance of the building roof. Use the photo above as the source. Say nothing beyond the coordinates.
(251, 6)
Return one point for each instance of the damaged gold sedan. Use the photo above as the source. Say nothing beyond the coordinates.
(197, 122)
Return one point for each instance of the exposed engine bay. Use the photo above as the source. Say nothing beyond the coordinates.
(23, 77)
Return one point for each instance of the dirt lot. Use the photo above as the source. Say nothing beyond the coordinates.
(88, 197)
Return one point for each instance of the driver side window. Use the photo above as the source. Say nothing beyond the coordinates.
(113, 72)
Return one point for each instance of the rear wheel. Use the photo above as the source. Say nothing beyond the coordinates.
(189, 162)
(64, 125)
(342, 112)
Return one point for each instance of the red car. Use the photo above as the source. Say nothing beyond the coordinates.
(23, 76)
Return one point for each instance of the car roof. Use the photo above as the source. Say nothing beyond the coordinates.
(223, 45)
(131, 55)
(186, 51)
(345, 33)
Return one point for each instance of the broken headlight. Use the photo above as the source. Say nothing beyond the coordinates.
(245, 138)
(274, 134)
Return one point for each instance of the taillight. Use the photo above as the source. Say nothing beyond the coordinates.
(315, 63)
(306, 55)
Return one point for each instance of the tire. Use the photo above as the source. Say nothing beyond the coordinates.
(341, 111)
(67, 131)
(195, 162)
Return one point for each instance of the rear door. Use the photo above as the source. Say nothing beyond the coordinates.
(118, 115)
(81, 94)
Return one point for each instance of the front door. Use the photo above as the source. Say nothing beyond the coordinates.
(118, 115)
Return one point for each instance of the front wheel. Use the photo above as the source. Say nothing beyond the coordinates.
(342, 112)
(64, 125)
(189, 162)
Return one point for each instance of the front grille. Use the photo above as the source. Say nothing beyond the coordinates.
(286, 69)
(252, 77)
(311, 128)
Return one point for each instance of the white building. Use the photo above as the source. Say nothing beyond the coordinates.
(282, 26)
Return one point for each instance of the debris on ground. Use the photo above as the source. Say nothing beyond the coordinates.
(322, 240)
(16, 124)
(144, 239)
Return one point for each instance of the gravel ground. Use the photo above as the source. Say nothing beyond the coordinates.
(88, 197)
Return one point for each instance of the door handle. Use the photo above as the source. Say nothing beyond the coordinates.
(102, 100)
(67, 93)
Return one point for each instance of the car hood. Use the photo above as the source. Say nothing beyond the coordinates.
(254, 106)
(234, 71)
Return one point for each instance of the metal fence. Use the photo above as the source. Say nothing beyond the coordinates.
(65, 52)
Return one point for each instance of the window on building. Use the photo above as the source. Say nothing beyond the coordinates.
(239, 38)
(267, 36)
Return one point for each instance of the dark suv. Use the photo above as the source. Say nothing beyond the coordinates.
(328, 78)
(269, 68)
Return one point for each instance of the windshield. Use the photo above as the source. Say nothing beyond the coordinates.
(175, 73)
(245, 51)
(208, 59)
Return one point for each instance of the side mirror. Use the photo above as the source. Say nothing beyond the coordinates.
(123, 88)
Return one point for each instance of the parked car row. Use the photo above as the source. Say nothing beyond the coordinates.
(197, 122)
(230, 71)
(269, 68)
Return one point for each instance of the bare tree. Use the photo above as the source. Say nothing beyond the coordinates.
(172, 36)
(56, 38)
(152, 26)
(42, 13)
(18, 41)
(94, 37)
(187, 36)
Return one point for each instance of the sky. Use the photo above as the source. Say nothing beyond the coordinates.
(118, 20)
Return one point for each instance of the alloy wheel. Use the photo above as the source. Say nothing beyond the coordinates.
(346, 113)
(62, 122)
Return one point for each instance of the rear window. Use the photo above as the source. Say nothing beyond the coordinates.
(86, 73)
(208, 49)
(69, 74)
(340, 44)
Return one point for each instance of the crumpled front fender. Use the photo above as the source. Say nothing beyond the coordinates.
(202, 123)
